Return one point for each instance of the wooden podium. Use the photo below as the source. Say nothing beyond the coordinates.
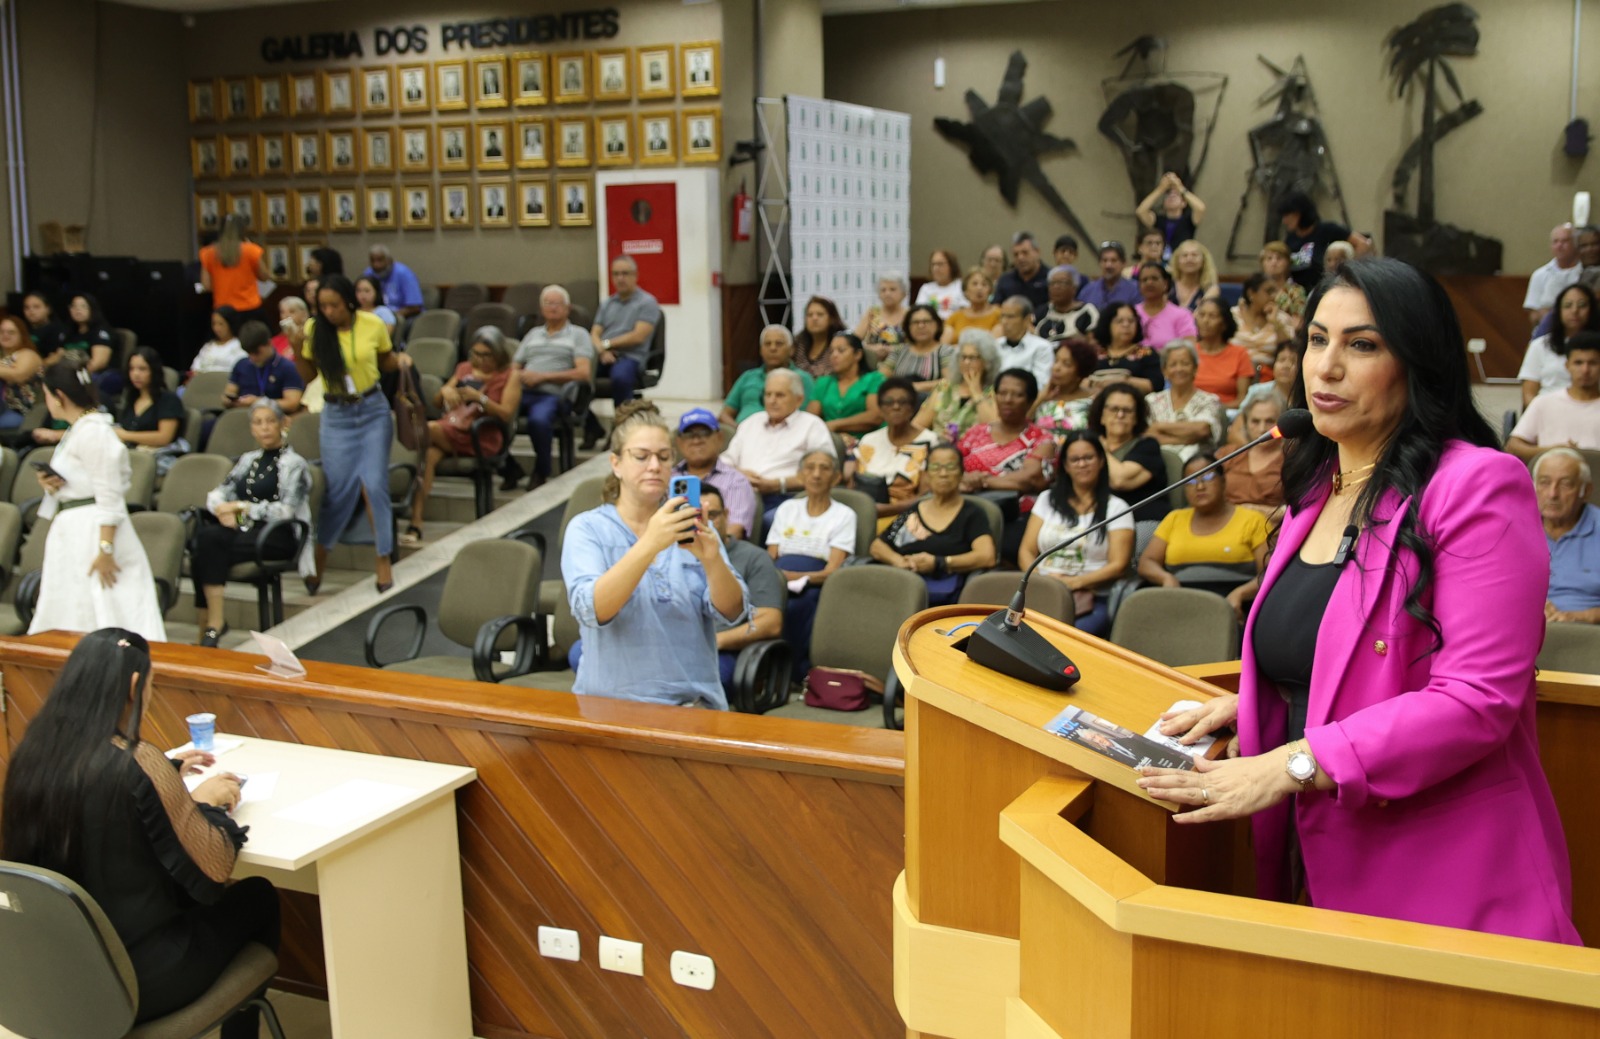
(1045, 895)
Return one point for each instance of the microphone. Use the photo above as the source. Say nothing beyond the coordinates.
(1001, 643)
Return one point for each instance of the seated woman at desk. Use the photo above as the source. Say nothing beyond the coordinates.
(1213, 544)
(87, 798)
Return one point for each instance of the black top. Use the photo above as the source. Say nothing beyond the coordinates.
(261, 479)
(86, 340)
(1036, 288)
(1177, 229)
(1306, 252)
(1141, 363)
(1285, 635)
(48, 337)
(1146, 452)
(910, 534)
(166, 406)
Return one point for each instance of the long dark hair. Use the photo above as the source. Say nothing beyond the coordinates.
(325, 337)
(1416, 320)
(377, 289)
(158, 377)
(66, 759)
(1230, 327)
(1102, 330)
(1061, 486)
(1558, 331)
(69, 377)
(802, 338)
(1299, 203)
(97, 317)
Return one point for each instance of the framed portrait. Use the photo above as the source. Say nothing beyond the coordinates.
(449, 85)
(205, 157)
(304, 95)
(572, 141)
(338, 92)
(658, 138)
(702, 134)
(700, 68)
(308, 210)
(416, 147)
(612, 73)
(302, 259)
(414, 89)
(455, 204)
(455, 148)
(377, 90)
(236, 157)
(572, 78)
(417, 211)
(573, 196)
(377, 149)
(242, 203)
(269, 99)
(528, 78)
(533, 144)
(274, 209)
(307, 153)
(344, 209)
(613, 135)
(655, 71)
(494, 144)
(272, 155)
(533, 202)
(339, 153)
(494, 202)
(380, 208)
(202, 101)
(235, 94)
(279, 260)
(208, 212)
(489, 83)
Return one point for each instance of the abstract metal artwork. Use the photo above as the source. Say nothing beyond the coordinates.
(1150, 115)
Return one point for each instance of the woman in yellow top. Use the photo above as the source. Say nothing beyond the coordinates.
(348, 347)
(1212, 544)
(979, 312)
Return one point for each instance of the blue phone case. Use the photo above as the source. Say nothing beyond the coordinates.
(687, 487)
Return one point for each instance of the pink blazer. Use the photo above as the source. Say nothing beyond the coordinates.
(1442, 813)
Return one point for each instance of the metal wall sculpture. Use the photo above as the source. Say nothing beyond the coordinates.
(1418, 53)
(1008, 138)
(1150, 115)
(1288, 152)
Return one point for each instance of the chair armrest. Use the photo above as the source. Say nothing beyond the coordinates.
(30, 511)
(892, 697)
(28, 596)
(527, 534)
(481, 423)
(166, 595)
(381, 617)
(761, 676)
(531, 652)
(302, 531)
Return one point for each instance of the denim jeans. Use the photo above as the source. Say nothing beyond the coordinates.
(544, 411)
(355, 457)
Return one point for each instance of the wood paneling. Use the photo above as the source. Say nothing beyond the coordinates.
(741, 331)
(769, 845)
(1490, 308)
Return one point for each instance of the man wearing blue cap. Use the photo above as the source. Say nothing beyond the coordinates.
(700, 445)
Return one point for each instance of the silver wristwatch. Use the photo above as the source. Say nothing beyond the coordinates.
(107, 548)
(1301, 766)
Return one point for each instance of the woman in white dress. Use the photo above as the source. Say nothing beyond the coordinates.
(96, 574)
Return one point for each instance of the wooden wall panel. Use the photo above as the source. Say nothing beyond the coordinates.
(769, 845)
(741, 331)
(1490, 308)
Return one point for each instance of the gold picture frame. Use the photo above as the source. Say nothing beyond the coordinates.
(310, 210)
(205, 157)
(302, 259)
(237, 161)
(697, 125)
(305, 95)
(658, 138)
(202, 101)
(613, 74)
(377, 90)
(450, 90)
(344, 209)
(491, 140)
(272, 155)
(533, 201)
(412, 94)
(700, 68)
(454, 151)
(341, 153)
(273, 208)
(234, 97)
(380, 207)
(242, 203)
(207, 211)
(571, 74)
(269, 97)
(455, 204)
(655, 71)
(530, 79)
(613, 140)
(307, 152)
(572, 141)
(416, 149)
(279, 259)
(416, 209)
(338, 92)
(495, 202)
(377, 149)
(575, 197)
(489, 83)
(532, 138)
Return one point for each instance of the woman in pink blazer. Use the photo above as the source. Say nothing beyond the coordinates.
(1386, 745)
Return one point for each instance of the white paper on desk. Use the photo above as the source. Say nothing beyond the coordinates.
(259, 786)
(346, 803)
(797, 586)
(222, 747)
(1197, 749)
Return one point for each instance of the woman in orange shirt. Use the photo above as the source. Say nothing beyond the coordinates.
(231, 268)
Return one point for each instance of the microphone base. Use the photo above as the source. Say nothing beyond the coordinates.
(1021, 653)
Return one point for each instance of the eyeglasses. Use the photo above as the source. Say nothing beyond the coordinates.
(1204, 477)
(480, 353)
(625, 273)
(898, 402)
(641, 456)
(944, 467)
(1119, 410)
(1085, 460)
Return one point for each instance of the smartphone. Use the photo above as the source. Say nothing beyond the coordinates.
(687, 487)
(44, 467)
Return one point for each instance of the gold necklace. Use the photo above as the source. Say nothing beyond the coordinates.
(1340, 480)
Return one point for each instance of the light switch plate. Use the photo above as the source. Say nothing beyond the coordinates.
(622, 956)
(693, 970)
(558, 943)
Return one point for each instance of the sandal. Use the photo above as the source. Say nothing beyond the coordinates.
(211, 636)
(412, 537)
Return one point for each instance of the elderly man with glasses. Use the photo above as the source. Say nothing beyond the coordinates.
(700, 445)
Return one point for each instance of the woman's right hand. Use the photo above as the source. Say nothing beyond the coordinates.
(1214, 714)
(669, 526)
(221, 790)
(974, 383)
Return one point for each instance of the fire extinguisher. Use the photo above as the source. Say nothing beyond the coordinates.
(744, 214)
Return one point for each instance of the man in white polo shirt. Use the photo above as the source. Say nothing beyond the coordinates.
(768, 446)
(1018, 346)
(1546, 283)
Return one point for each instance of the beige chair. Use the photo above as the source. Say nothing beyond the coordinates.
(1174, 464)
(1571, 647)
(1046, 595)
(163, 536)
(141, 480)
(523, 299)
(564, 634)
(9, 466)
(584, 497)
(433, 356)
(1177, 626)
(204, 390)
(464, 295)
(496, 315)
(230, 437)
(435, 324)
(23, 588)
(189, 480)
(305, 435)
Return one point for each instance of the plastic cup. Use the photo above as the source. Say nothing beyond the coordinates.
(203, 731)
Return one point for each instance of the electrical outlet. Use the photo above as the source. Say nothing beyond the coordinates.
(623, 956)
(693, 970)
(558, 944)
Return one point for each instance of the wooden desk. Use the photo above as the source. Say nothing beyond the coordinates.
(387, 873)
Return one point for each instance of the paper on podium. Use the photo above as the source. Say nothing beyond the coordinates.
(220, 746)
(347, 803)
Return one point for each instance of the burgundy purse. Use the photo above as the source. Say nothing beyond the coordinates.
(840, 689)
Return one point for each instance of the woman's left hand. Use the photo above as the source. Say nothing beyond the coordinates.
(1230, 789)
(104, 567)
(706, 545)
(403, 359)
(192, 762)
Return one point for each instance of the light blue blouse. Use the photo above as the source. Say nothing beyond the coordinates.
(661, 647)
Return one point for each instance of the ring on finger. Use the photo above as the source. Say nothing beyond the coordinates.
(1205, 795)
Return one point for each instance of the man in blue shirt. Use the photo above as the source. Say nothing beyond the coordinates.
(401, 291)
(1563, 480)
(263, 373)
(1111, 286)
(623, 328)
